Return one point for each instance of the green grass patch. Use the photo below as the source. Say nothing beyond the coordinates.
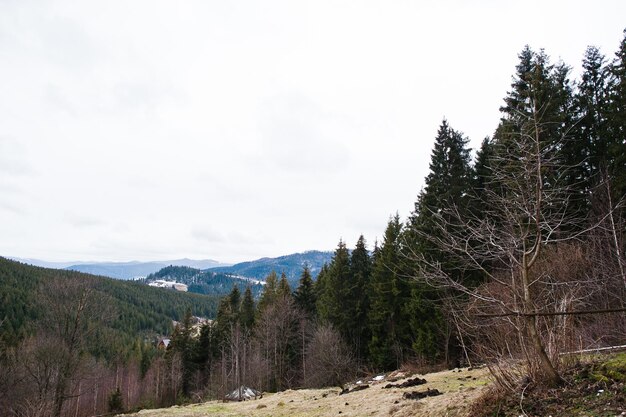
(613, 370)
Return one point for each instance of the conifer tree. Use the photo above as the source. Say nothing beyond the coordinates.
(183, 344)
(592, 102)
(387, 298)
(334, 292)
(481, 175)
(269, 292)
(617, 125)
(304, 295)
(283, 290)
(447, 185)
(448, 188)
(247, 309)
(357, 303)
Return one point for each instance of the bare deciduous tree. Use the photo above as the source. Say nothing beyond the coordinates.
(527, 211)
(328, 359)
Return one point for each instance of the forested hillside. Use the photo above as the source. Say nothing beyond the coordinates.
(204, 282)
(290, 265)
(64, 331)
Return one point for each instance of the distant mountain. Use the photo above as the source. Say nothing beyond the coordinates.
(259, 269)
(205, 282)
(291, 265)
(135, 269)
(46, 264)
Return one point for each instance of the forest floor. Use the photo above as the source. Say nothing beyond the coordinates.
(459, 389)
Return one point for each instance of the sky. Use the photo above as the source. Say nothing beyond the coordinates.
(233, 130)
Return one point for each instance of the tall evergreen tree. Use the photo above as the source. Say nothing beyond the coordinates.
(357, 304)
(268, 296)
(447, 185)
(334, 291)
(387, 299)
(616, 165)
(305, 294)
(284, 290)
(447, 192)
(247, 309)
(183, 344)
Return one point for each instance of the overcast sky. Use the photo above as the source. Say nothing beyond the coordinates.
(233, 130)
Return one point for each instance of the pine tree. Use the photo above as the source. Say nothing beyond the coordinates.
(247, 309)
(447, 186)
(357, 304)
(183, 344)
(387, 298)
(269, 292)
(447, 192)
(481, 177)
(234, 298)
(284, 290)
(305, 294)
(616, 164)
(334, 292)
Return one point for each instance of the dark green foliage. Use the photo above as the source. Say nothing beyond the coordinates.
(284, 290)
(616, 148)
(357, 303)
(304, 295)
(203, 282)
(182, 343)
(388, 297)
(269, 294)
(138, 309)
(116, 403)
(247, 310)
(447, 193)
(335, 290)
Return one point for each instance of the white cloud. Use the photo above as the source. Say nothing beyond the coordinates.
(152, 129)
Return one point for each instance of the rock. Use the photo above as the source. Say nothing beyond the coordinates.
(348, 390)
(413, 382)
(418, 395)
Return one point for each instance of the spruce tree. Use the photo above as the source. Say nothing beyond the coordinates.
(447, 192)
(357, 303)
(283, 290)
(247, 309)
(268, 296)
(387, 298)
(184, 344)
(304, 295)
(335, 291)
(616, 165)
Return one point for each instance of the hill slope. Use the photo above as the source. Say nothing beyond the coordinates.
(138, 310)
(134, 269)
(459, 390)
(204, 282)
(291, 265)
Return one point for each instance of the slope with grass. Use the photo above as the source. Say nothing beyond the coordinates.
(459, 388)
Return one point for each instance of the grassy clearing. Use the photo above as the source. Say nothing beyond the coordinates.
(459, 389)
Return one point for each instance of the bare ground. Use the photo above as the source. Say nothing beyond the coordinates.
(460, 389)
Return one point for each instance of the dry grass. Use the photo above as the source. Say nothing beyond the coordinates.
(459, 390)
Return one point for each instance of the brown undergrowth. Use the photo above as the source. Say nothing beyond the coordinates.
(593, 387)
